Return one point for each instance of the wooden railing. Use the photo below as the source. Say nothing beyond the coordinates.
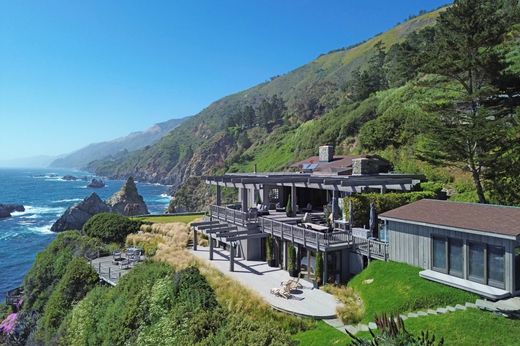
(372, 248)
(236, 217)
(303, 236)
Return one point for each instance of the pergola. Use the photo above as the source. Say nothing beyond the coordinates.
(347, 184)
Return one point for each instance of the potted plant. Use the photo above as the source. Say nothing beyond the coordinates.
(318, 269)
(288, 209)
(291, 262)
(269, 253)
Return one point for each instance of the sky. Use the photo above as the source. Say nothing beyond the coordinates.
(78, 72)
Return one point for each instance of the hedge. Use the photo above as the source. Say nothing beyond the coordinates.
(383, 202)
(110, 227)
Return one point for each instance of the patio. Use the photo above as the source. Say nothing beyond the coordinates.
(259, 277)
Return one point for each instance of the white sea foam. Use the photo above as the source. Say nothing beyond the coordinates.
(43, 210)
(165, 195)
(41, 229)
(68, 200)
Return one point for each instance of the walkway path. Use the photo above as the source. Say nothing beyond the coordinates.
(336, 323)
(259, 277)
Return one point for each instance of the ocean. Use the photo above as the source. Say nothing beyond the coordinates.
(46, 196)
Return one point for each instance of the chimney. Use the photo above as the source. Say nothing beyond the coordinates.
(364, 165)
(326, 153)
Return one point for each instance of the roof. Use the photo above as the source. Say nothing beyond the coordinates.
(339, 163)
(496, 219)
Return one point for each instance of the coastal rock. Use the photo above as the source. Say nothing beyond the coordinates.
(127, 201)
(69, 178)
(96, 183)
(7, 209)
(76, 216)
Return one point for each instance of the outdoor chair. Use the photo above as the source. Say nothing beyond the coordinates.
(279, 207)
(292, 284)
(281, 292)
(262, 209)
(308, 208)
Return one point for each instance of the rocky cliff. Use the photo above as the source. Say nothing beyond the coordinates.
(128, 201)
(76, 216)
(7, 209)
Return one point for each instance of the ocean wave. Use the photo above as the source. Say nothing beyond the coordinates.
(67, 200)
(165, 195)
(41, 229)
(43, 210)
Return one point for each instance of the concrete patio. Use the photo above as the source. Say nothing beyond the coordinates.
(259, 277)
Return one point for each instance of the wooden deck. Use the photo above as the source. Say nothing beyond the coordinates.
(107, 270)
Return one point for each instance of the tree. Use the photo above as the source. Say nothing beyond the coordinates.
(110, 227)
(464, 53)
(372, 78)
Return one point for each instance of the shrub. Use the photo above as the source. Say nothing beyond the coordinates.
(269, 248)
(110, 227)
(393, 333)
(288, 208)
(51, 264)
(352, 308)
(319, 268)
(291, 259)
(78, 280)
(383, 202)
(148, 242)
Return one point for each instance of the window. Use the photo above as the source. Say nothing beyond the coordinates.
(456, 258)
(517, 268)
(476, 257)
(439, 254)
(495, 265)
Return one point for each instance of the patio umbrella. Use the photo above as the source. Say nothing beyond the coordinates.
(373, 218)
(350, 217)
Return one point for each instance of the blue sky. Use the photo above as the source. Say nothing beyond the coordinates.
(77, 72)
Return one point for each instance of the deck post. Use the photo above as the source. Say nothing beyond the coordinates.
(210, 246)
(109, 274)
(99, 268)
(195, 238)
(308, 263)
(219, 195)
(293, 198)
(325, 269)
(231, 257)
(368, 250)
(244, 199)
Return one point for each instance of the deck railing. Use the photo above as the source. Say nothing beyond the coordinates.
(372, 248)
(303, 236)
(236, 217)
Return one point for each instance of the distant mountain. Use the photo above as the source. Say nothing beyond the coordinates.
(210, 141)
(40, 161)
(116, 148)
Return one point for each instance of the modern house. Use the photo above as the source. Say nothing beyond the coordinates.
(318, 186)
(471, 246)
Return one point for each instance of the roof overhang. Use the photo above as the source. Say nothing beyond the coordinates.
(450, 228)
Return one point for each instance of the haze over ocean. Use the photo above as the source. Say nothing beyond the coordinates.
(45, 197)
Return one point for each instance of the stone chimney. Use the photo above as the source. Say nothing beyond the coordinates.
(326, 153)
(365, 165)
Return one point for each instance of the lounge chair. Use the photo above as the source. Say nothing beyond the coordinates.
(292, 284)
(281, 292)
(262, 209)
(307, 209)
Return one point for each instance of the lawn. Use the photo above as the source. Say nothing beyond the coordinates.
(186, 218)
(398, 288)
(470, 327)
(323, 334)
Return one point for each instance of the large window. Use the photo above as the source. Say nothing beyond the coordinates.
(439, 254)
(456, 258)
(476, 257)
(495, 265)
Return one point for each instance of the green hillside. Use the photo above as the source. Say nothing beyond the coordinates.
(394, 95)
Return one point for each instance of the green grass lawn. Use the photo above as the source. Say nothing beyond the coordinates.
(470, 327)
(323, 334)
(460, 328)
(398, 288)
(173, 218)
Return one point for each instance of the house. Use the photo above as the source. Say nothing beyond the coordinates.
(475, 247)
(310, 192)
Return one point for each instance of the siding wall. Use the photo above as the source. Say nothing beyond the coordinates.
(412, 244)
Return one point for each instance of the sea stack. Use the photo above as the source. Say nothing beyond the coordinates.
(127, 201)
(76, 216)
(7, 209)
(96, 183)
